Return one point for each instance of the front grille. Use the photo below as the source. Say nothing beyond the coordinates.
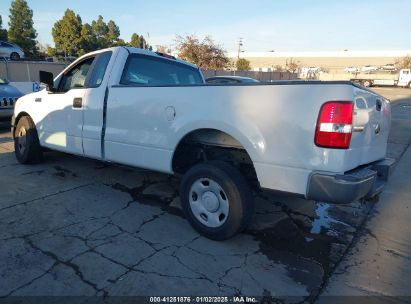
(7, 102)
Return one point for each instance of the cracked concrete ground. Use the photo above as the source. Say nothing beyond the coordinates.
(77, 227)
(378, 265)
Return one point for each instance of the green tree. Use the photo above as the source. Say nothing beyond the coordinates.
(100, 31)
(51, 51)
(67, 33)
(205, 54)
(21, 30)
(243, 64)
(88, 40)
(138, 41)
(113, 34)
(3, 32)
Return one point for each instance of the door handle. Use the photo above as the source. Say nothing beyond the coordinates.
(378, 105)
(78, 102)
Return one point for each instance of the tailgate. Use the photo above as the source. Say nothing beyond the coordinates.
(371, 126)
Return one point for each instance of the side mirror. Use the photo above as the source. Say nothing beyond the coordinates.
(47, 78)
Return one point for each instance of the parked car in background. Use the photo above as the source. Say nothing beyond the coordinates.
(389, 67)
(351, 69)
(230, 80)
(8, 97)
(369, 69)
(10, 50)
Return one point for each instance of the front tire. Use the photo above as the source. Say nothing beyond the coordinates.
(216, 200)
(26, 142)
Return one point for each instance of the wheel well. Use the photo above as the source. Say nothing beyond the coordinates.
(210, 144)
(21, 114)
(16, 120)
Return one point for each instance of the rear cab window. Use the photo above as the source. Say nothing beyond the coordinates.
(144, 70)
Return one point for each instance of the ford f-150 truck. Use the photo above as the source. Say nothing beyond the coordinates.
(322, 140)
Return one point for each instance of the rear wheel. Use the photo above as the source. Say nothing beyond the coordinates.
(366, 83)
(216, 199)
(26, 142)
(14, 56)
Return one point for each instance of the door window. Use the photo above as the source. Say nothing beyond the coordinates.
(99, 70)
(76, 77)
(145, 70)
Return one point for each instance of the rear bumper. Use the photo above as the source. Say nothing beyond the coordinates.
(364, 182)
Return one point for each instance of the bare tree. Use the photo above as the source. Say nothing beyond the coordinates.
(403, 63)
(292, 65)
(204, 53)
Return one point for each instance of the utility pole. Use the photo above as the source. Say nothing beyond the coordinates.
(240, 44)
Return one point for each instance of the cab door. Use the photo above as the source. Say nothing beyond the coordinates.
(62, 123)
(405, 77)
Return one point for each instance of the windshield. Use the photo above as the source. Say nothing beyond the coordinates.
(3, 81)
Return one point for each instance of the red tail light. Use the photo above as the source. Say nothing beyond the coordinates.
(334, 125)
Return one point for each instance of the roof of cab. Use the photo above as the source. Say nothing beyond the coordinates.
(156, 54)
(140, 51)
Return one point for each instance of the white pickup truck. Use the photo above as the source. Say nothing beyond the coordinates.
(321, 140)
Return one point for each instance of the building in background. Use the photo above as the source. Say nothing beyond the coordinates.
(333, 62)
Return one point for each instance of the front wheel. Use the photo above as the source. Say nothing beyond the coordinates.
(26, 142)
(216, 200)
(14, 56)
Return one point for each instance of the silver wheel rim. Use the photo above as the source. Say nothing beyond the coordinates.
(22, 140)
(209, 202)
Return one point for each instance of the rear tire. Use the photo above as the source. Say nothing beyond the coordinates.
(26, 142)
(14, 56)
(366, 83)
(216, 200)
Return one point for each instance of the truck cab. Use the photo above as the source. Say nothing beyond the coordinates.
(404, 79)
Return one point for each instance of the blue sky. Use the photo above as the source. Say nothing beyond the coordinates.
(292, 25)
